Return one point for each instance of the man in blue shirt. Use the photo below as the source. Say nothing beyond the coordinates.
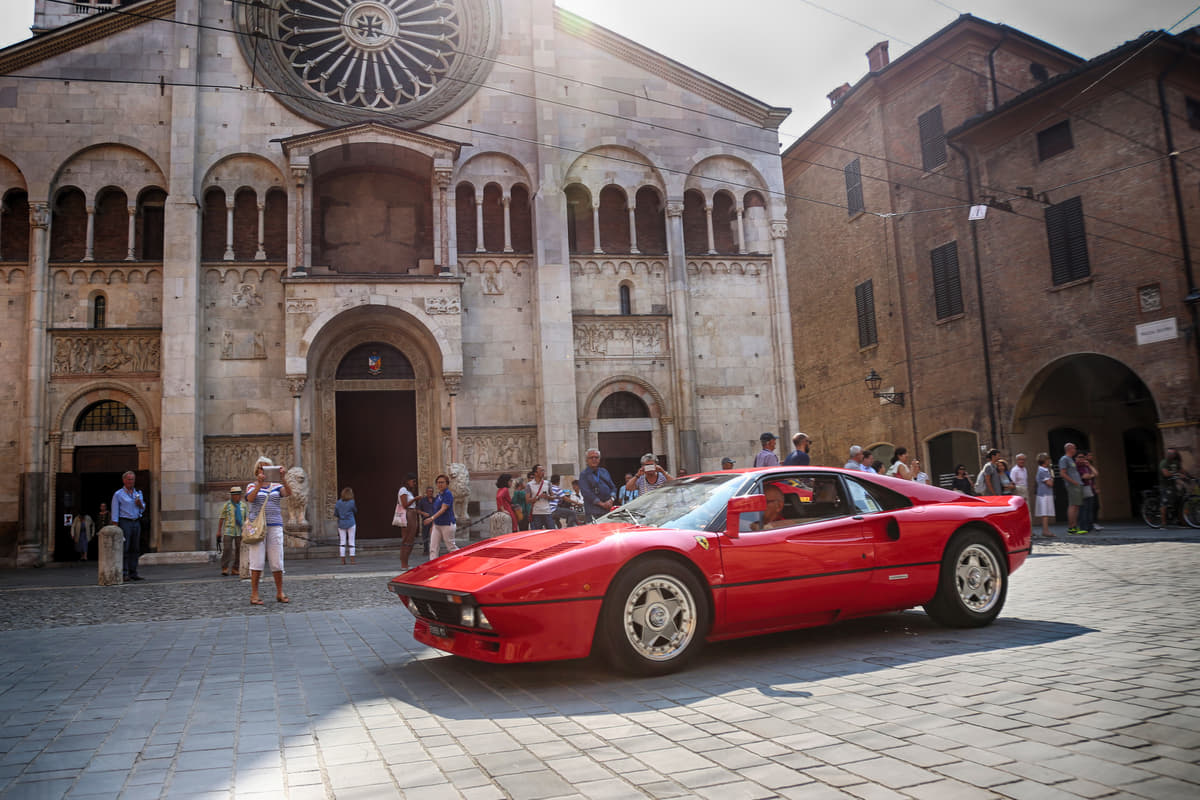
(799, 456)
(596, 485)
(127, 508)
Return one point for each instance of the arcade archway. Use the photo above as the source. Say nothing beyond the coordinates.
(1103, 404)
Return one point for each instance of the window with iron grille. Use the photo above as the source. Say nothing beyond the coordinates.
(107, 415)
(947, 288)
(854, 192)
(1068, 241)
(1054, 140)
(864, 301)
(933, 138)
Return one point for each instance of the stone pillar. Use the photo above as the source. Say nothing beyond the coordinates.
(299, 167)
(296, 387)
(712, 247)
(681, 340)
(741, 231)
(777, 290)
(181, 447)
(35, 498)
(131, 237)
(261, 253)
(89, 246)
(507, 201)
(479, 248)
(229, 202)
(596, 227)
(110, 554)
(443, 170)
(453, 383)
(633, 248)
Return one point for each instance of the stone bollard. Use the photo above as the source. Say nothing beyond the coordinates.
(111, 556)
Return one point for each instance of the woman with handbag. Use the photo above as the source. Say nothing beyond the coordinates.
(346, 511)
(504, 502)
(263, 498)
(405, 517)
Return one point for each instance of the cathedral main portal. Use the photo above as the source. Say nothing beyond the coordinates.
(376, 448)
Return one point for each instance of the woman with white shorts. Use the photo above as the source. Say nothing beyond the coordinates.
(263, 497)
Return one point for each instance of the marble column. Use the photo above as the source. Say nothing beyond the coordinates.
(712, 247)
(453, 383)
(35, 496)
(296, 387)
(507, 201)
(777, 290)
(443, 170)
(229, 202)
(261, 253)
(741, 231)
(131, 241)
(633, 248)
(299, 168)
(681, 341)
(89, 246)
(479, 248)
(596, 227)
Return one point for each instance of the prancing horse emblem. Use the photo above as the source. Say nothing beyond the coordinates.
(702, 541)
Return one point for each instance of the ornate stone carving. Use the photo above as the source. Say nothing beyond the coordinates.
(301, 306)
(296, 384)
(460, 487)
(231, 458)
(39, 215)
(620, 338)
(493, 449)
(674, 208)
(491, 282)
(453, 381)
(297, 502)
(243, 345)
(779, 230)
(443, 305)
(103, 352)
(751, 266)
(246, 295)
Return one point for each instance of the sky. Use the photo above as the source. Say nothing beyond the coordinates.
(792, 53)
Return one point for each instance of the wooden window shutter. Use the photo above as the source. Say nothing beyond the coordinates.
(947, 287)
(864, 301)
(854, 192)
(1068, 241)
(933, 138)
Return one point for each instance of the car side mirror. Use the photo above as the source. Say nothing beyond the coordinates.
(741, 505)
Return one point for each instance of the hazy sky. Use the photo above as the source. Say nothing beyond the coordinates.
(794, 52)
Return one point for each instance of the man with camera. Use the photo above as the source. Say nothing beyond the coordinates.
(649, 476)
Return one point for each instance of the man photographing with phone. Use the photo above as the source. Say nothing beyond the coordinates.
(649, 476)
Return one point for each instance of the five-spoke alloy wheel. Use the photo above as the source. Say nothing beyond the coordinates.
(973, 582)
(655, 618)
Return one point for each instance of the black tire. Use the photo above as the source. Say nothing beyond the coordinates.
(1191, 511)
(654, 619)
(972, 583)
(1152, 510)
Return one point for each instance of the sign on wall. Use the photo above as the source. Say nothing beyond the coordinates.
(1163, 330)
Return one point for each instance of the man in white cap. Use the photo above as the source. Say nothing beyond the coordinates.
(229, 531)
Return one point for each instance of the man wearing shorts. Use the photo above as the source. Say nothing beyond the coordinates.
(1074, 485)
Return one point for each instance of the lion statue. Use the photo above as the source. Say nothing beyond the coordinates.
(460, 487)
(297, 504)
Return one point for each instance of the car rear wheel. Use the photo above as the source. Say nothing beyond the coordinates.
(654, 619)
(973, 582)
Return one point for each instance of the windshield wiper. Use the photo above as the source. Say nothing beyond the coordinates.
(627, 512)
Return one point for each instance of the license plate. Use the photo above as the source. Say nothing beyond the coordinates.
(439, 631)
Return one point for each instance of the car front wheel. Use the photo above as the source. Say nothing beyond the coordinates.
(973, 582)
(654, 619)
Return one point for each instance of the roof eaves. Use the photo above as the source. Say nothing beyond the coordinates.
(82, 32)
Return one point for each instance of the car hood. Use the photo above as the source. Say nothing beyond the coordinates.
(503, 555)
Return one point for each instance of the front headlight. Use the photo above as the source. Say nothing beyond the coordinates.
(482, 619)
(467, 616)
(409, 604)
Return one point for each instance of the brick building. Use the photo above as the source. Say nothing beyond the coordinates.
(390, 237)
(1067, 313)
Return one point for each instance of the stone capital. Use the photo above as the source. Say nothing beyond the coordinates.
(779, 230)
(39, 215)
(674, 208)
(296, 384)
(453, 381)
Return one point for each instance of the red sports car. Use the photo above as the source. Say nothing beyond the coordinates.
(718, 556)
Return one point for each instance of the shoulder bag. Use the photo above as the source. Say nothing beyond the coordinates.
(255, 530)
(400, 517)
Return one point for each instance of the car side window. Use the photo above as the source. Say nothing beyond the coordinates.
(875, 497)
(801, 499)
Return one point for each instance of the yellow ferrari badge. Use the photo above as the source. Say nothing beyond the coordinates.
(702, 541)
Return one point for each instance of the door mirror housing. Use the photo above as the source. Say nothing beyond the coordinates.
(741, 505)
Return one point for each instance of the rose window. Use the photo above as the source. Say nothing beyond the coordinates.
(340, 60)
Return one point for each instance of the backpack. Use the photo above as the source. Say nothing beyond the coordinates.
(980, 483)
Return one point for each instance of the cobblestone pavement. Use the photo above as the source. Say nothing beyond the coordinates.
(1086, 687)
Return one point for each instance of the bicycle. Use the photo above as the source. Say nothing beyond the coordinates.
(1183, 507)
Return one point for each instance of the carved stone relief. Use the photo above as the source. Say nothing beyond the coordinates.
(620, 338)
(301, 306)
(102, 352)
(231, 458)
(442, 305)
(493, 449)
(246, 295)
(243, 345)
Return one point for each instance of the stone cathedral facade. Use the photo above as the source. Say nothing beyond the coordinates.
(370, 237)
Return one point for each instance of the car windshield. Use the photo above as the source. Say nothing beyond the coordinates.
(688, 503)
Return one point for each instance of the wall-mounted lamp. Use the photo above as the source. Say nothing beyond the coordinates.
(873, 380)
